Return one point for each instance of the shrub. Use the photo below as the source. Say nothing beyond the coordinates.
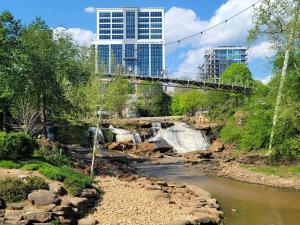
(52, 155)
(13, 190)
(36, 183)
(52, 172)
(16, 145)
(9, 164)
(34, 165)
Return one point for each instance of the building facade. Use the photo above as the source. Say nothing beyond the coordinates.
(132, 38)
(218, 59)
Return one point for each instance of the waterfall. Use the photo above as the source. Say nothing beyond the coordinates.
(125, 135)
(183, 138)
(155, 127)
(100, 136)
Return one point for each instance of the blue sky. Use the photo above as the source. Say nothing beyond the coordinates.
(183, 17)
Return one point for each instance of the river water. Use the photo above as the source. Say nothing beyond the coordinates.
(242, 203)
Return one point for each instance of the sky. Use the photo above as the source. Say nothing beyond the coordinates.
(183, 18)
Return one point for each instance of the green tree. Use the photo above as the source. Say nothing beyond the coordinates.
(236, 73)
(152, 100)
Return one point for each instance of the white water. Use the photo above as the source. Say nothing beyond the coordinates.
(125, 135)
(100, 136)
(183, 138)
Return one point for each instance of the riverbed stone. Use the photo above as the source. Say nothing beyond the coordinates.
(87, 221)
(2, 212)
(43, 197)
(38, 216)
(217, 146)
(16, 206)
(15, 215)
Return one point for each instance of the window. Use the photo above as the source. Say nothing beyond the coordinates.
(156, 14)
(117, 20)
(129, 50)
(104, 14)
(104, 31)
(143, 31)
(104, 20)
(130, 25)
(156, 25)
(104, 37)
(156, 36)
(117, 31)
(143, 20)
(143, 25)
(103, 56)
(143, 36)
(156, 31)
(105, 25)
(143, 14)
(143, 59)
(117, 53)
(117, 14)
(156, 60)
(117, 25)
(117, 37)
(156, 20)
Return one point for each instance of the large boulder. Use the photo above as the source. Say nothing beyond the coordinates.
(15, 215)
(38, 216)
(43, 197)
(217, 146)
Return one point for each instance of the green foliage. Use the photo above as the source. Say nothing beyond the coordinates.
(53, 155)
(15, 190)
(116, 95)
(16, 145)
(236, 73)
(231, 133)
(188, 102)
(109, 136)
(36, 183)
(152, 101)
(34, 165)
(10, 164)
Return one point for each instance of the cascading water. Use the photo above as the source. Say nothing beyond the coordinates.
(125, 135)
(155, 127)
(100, 136)
(183, 138)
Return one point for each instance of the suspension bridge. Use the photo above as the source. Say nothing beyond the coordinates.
(217, 84)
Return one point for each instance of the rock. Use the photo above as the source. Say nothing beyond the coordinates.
(12, 222)
(50, 207)
(2, 212)
(162, 183)
(1, 221)
(13, 215)
(49, 223)
(89, 193)
(195, 155)
(217, 146)
(78, 202)
(63, 220)
(38, 216)
(43, 197)
(57, 188)
(2, 204)
(16, 206)
(205, 221)
(87, 221)
(117, 146)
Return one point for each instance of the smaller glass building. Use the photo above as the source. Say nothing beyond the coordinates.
(132, 38)
(218, 59)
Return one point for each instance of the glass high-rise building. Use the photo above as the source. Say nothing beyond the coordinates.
(132, 38)
(218, 59)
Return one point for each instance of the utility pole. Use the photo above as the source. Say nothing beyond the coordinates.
(284, 71)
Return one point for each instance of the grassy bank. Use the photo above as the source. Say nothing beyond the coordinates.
(281, 171)
(73, 181)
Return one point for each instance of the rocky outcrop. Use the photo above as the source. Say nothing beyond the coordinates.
(217, 146)
(47, 205)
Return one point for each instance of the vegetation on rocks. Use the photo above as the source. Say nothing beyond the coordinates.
(15, 189)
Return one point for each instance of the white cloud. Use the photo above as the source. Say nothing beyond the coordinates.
(181, 22)
(261, 50)
(81, 36)
(267, 79)
(90, 10)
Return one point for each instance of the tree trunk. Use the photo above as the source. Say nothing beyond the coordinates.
(43, 114)
(95, 144)
(283, 75)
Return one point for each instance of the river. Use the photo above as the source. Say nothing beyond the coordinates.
(242, 203)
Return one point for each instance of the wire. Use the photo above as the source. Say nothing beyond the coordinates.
(214, 26)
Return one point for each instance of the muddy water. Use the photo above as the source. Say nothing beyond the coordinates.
(254, 204)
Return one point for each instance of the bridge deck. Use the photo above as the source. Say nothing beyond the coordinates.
(189, 83)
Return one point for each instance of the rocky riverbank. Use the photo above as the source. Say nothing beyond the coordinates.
(152, 202)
